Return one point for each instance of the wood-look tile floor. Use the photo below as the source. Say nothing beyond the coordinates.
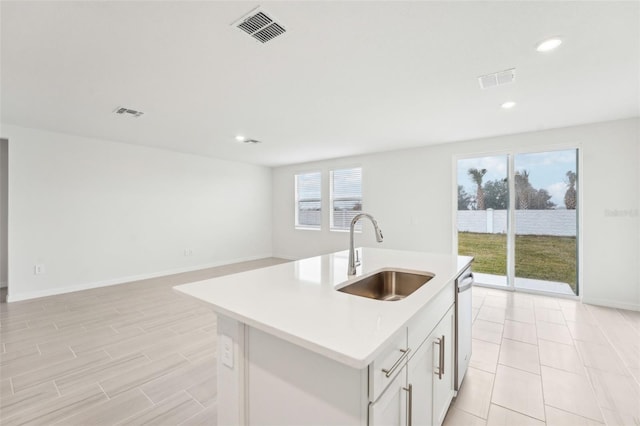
(136, 353)
(140, 353)
(541, 360)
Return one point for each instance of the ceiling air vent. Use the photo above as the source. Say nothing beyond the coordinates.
(260, 26)
(497, 78)
(128, 111)
(252, 141)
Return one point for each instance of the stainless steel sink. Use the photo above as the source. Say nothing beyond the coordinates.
(388, 285)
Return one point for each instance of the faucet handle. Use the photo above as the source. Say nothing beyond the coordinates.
(357, 257)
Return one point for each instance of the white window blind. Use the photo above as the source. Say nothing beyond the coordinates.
(346, 197)
(308, 201)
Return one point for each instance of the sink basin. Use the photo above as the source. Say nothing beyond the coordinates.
(388, 285)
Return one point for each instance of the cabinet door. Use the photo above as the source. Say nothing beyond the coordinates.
(420, 380)
(391, 408)
(443, 363)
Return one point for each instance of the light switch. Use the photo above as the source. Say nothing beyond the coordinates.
(227, 350)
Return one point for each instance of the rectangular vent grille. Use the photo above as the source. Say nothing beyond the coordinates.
(128, 111)
(497, 78)
(260, 26)
(272, 31)
(254, 23)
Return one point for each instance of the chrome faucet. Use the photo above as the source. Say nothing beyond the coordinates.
(352, 249)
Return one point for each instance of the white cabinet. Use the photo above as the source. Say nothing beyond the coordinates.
(443, 363)
(421, 392)
(391, 408)
(420, 380)
(272, 381)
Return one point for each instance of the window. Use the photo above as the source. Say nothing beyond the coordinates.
(308, 201)
(346, 197)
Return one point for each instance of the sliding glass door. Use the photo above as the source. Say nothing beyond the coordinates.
(483, 199)
(517, 215)
(545, 224)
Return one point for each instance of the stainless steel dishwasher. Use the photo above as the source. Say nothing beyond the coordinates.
(464, 282)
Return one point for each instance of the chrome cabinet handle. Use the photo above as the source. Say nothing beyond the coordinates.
(410, 408)
(389, 372)
(440, 370)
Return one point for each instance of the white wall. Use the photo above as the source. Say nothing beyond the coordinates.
(4, 167)
(97, 212)
(412, 194)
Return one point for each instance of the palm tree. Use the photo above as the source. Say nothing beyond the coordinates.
(522, 189)
(477, 176)
(571, 197)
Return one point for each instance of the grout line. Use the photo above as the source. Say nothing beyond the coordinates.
(593, 392)
(190, 417)
(147, 396)
(496, 373)
(544, 402)
(57, 389)
(194, 398)
(586, 420)
(520, 412)
(615, 349)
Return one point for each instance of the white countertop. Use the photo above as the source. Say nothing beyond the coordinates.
(298, 301)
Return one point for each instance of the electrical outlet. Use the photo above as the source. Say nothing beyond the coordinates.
(38, 269)
(188, 252)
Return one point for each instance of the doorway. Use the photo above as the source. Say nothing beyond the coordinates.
(518, 216)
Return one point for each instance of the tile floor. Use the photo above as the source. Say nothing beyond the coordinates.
(140, 353)
(541, 360)
(136, 353)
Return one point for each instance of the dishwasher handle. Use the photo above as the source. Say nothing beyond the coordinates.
(466, 283)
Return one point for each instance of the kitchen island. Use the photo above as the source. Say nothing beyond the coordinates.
(294, 350)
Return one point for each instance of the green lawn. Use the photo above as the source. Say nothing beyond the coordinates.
(539, 257)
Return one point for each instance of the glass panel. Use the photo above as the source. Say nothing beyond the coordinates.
(346, 197)
(309, 213)
(482, 220)
(308, 203)
(546, 221)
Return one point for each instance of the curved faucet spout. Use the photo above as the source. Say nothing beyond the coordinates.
(379, 237)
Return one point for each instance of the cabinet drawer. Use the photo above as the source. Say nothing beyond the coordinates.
(386, 366)
(421, 325)
(391, 407)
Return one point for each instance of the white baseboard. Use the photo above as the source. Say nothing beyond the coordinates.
(27, 295)
(611, 303)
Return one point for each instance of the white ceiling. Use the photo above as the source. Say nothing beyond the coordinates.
(347, 78)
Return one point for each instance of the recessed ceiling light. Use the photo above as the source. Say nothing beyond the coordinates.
(508, 105)
(548, 44)
(240, 138)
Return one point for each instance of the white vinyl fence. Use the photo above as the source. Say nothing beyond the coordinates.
(528, 222)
